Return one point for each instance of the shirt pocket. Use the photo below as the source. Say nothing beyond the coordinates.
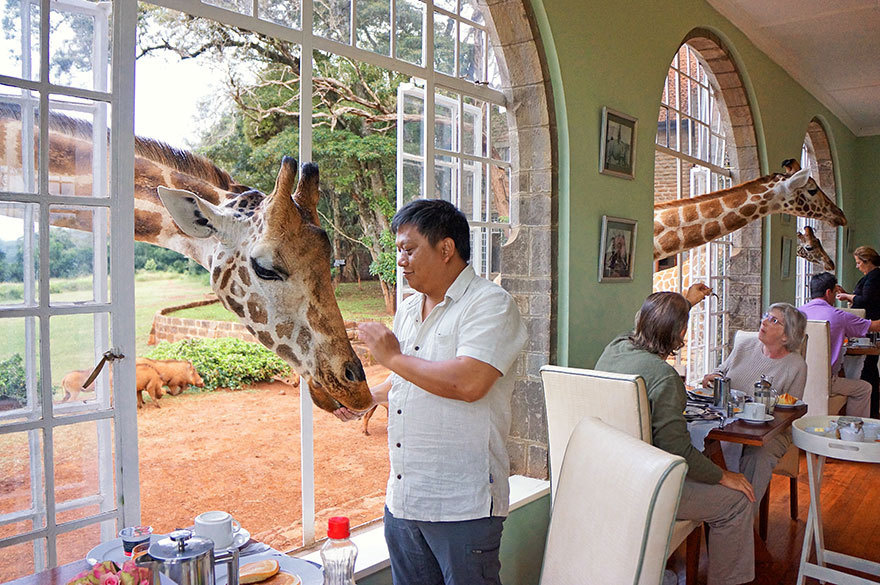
(442, 347)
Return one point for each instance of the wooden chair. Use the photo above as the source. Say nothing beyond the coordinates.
(620, 400)
(615, 505)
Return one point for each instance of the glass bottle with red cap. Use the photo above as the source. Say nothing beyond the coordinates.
(338, 553)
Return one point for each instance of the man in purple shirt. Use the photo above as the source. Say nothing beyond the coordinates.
(841, 324)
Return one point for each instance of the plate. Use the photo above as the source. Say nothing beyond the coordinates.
(798, 403)
(767, 418)
(703, 392)
(310, 573)
(112, 550)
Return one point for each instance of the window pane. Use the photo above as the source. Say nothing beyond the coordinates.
(410, 23)
(663, 127)
(15, 60)
(77, 344)
(240, 6)
(445, 122)
(22, 487)
(445, 4)
(444, 44)
(472, 127)
(471, 11)
(19, 251)
(75, 545)
(21, 560)
(493, 75)
(470, 57)
(79, 42)
(470, 200)
(374, 26)
(283, 12)
(80, 165)
(84, 470)
(500, 133)
(333, 20)
(78, 257)
(413, 181)
(18, 167)
(445, 178)
(413, 123)
(499, 183)
(19, 371)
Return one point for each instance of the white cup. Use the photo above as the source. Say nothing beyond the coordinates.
(217, 526)
(754, 410)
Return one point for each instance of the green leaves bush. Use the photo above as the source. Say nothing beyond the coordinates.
(226, 362)
(12, 381)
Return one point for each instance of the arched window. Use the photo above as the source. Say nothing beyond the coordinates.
(692, 158)
(816, 156)
(458, 136)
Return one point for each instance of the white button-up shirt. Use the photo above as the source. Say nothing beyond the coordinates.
(449, 460)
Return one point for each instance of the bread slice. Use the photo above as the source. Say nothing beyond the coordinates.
(257, 571)
(283, 578)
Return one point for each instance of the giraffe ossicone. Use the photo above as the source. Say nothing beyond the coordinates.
(683, 224)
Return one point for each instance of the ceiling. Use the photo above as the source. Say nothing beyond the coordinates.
(831, 48)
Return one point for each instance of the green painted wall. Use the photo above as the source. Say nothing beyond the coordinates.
(865, 224)
(616, 54)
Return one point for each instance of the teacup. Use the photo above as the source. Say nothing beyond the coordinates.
(218, 526)
(754, 410)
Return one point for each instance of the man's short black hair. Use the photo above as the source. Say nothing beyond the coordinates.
(436, 219)
(821, 282)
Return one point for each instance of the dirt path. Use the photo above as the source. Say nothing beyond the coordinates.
(239, 452)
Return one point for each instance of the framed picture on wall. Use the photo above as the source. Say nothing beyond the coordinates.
(617, 249)
(618, 144)
(786, 257)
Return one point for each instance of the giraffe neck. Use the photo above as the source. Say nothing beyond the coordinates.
(686, 223)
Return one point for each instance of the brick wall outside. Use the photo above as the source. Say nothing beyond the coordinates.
(169, 328)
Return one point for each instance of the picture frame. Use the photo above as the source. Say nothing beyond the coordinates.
(617, 248)
(786, 257)
(617, 146)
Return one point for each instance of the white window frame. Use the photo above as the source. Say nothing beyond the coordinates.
(484, 90)
(705, 146)
(119, 501)
(804, 270)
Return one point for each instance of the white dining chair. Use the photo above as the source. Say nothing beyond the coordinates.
(853, 364)
(619, 400)
(615, 505)
(817, 390)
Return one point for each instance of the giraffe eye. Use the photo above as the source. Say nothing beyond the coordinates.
(813, 191)
(265, 273)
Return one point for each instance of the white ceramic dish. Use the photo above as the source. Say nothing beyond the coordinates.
(798, 403)
(703, 392)
(112, 550)
(309, 574)
(767, 418)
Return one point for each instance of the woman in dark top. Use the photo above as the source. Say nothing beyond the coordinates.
(866, 296)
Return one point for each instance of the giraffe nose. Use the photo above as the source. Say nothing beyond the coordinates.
(354, 371)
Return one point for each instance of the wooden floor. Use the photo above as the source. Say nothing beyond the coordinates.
(851, 515)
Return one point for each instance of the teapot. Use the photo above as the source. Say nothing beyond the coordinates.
(187, 559)
(766, 394)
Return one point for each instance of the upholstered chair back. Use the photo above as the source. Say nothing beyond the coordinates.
(818, 387)
(614, 509)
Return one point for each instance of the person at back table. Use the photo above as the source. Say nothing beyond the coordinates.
(775, 354)
(710, 494)
(451, 355)
(823, 287)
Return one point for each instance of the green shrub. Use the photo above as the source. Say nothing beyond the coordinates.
(12, 381)
(226, 362)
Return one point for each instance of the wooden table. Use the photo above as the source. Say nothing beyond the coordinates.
(862, 349)
(739, 431)
(57, 576)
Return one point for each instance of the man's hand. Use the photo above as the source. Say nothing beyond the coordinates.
(697, 292)
(707, 379)
(345, 415)
(381, 342)
(738, 482)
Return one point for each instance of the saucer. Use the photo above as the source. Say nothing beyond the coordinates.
(240, 539)
(797, 403)
(767, 418)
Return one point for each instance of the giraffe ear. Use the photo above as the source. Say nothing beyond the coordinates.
(196, 217)
(307, 192)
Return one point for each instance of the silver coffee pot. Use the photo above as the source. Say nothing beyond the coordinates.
(766, 394)
(720, 391)
(188, 559)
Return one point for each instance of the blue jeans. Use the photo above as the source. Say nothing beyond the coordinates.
(444, 553)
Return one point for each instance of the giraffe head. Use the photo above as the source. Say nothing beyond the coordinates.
(811, 250)
(269, 261)
(800, 195)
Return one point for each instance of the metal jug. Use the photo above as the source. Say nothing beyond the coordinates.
(766, 394)
(188, 559)
(721, 391)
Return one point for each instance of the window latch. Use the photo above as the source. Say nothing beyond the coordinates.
(108, 356)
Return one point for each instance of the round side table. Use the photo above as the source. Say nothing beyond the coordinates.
(818, 447)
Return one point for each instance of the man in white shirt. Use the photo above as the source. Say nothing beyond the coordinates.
(448, 404)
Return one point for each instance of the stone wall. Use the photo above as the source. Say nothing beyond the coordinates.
(170, 328)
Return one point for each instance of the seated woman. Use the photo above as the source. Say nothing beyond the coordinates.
(774, 354)
(719, 497)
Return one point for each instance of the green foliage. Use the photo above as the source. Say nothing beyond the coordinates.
(386, 265)
(226, 362)
(153, 258)
(12, 378)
